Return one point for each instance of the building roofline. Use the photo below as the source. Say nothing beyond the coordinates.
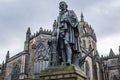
(16, 56)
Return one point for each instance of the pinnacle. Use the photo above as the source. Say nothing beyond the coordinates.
(82, 17)
(28, 31)
(111, 54)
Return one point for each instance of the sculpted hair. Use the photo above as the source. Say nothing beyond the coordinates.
(63, 2)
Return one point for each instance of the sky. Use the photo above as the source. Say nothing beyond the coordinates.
(17, 15)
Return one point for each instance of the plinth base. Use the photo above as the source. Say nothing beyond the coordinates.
(63, 73)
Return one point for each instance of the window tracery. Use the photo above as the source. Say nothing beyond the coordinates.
(41, 59)
(15, 72)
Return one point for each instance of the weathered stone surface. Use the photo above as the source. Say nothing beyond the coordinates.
(63, 73)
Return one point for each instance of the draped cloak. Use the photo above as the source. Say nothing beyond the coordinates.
(72, 29)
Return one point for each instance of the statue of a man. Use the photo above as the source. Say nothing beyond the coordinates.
(68, 46)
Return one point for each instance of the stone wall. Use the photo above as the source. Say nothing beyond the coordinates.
(20, 61)
(113, 67)
(35, 53)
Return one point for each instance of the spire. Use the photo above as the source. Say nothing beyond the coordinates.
(82, 17)
(111, 54)
(7, 56)
(97, 54)
(41, 29)
(26, 43)
(28, 31)
(3, 63)
(28, 34)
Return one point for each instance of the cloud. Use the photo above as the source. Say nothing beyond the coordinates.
(14, 45)
(109, 42)
(104, 16)
(17, 15)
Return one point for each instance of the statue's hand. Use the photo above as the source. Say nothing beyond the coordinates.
(62, 34)
(66, 19)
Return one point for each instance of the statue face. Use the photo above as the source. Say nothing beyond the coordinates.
(62, 6)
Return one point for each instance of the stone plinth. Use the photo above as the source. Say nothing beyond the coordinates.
(63, 73)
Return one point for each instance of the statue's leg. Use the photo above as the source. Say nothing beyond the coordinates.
(63, 52)
(63, 57)
(68, 52)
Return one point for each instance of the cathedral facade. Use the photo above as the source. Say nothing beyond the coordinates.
(29, 63)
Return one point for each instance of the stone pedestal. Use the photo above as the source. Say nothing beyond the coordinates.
(63, 73)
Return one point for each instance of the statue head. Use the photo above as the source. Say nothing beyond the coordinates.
(63, 6)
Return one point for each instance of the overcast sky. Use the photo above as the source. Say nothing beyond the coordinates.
(17, 15)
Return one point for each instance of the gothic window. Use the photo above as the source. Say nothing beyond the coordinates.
(115, 77)
(93, 43)
(84, 44)
(15, 72)
(87, 70)
(84, 29)
(41, 60)
(113, 62)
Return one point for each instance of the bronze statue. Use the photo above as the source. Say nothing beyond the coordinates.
(66, 34)
(64, 42)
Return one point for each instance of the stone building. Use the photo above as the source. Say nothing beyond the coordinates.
(29, 62)
(89, 41)
(35, 57)
(111, 66)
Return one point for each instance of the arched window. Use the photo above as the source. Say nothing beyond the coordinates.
(41, 60)
(84, 44)
(115, 77)
(87, 70)
(84, 29)
(15, 72)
